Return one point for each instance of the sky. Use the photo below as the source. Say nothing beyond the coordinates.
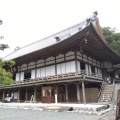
(27, 21)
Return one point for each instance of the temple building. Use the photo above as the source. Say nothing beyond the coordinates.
(70, 66)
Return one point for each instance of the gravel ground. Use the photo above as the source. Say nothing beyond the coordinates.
(20, 114)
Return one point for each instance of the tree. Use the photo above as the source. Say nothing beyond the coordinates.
(5, 72)
(112, 38)
(5, 68)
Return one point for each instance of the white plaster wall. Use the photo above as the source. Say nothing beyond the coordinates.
(78, 66)
(21, 76)
(86, 68)
(33, 74)
(73, 67)
(52, 70)
(62, 68)
(68, 67)
(58, 68)
(17, 78)
(47, 71)
(38, 73)
(42, 72)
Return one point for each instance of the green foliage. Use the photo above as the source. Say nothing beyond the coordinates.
(8, 65)
(5, 68)
(112, 38)
(5, 72)
(5, 77)
(3, 46)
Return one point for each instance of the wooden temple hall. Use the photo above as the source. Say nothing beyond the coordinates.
(69, 66)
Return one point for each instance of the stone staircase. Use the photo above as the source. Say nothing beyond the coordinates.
(106, 93)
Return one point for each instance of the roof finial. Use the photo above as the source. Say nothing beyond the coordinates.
(95, 13)
(94, 17)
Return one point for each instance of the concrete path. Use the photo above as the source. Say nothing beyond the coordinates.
(21, 114)
(109, 116)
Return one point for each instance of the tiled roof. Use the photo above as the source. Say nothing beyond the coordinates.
(51, 40)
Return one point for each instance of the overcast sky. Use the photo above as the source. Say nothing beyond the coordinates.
(27, 21)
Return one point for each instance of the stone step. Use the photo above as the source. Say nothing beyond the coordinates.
(107, 92)
(108, 86)
(107, 89)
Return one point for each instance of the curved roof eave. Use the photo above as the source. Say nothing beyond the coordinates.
(104, 44)
(49, 41)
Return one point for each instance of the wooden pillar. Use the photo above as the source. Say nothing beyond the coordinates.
(55, 66)
(26, 95)
(78, 92)
(76, 64)
(83, 90)
(66, 92)
(3, 97)
(8, 93)
(35, 94)
(18, 96)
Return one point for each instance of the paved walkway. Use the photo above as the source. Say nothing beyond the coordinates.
(81, 108)
(9, 111)
(20, 114)
(110, 116)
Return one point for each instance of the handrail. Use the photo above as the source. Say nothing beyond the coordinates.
(101, 89)
(112, 90)
(59, 76)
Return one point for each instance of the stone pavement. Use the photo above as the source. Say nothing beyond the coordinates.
(80, 108)
(110, 116)
(25, 111)
(21, 114)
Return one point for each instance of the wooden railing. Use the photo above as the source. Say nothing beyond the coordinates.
(62, 76)
(101, 89)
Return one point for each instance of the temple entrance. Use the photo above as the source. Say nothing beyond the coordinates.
(38, 94)
(72, 92)
(22, 95)
(48, 94)
(30, 94)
